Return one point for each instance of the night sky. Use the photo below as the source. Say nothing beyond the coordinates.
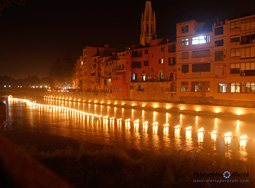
(33, 36)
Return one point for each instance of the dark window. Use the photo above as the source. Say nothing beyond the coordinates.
(136, 64)
(146, 51)
(171, 61)
(201, 67)
(201, 53)
(218, 31)
(145, 63)
(171, 48)
(219, 56)
(235, 38)
(219, 43)
(185, 68)
(185, 29)
(132, 87)
(185, 55)
(137, 54)
(162, 49)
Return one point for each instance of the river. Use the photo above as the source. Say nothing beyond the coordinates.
(160, 132)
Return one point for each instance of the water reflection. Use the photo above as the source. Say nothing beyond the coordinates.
(131, 127)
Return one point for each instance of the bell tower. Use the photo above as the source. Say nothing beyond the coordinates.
(148, 25)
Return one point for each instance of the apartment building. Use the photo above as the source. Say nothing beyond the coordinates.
(89, 67)
(239, 56)
(194, 57)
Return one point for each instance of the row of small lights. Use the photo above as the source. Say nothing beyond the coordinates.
(136, 122)
(217, 110)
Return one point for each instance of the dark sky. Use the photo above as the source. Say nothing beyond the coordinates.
(33, 36)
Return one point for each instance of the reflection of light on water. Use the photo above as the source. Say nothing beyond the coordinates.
(166, 129)
(112, 121)
(154, 116)
(188, 134)
(177, 131)
(136, 125)
(213, 135)
(180, 118)
(228, 137)
(196, 119)
(127, 124)
(143, 115)
(237, 126)
(155, 128)
(145, 126)
(200, 135)
(243, 140)
(119, 123)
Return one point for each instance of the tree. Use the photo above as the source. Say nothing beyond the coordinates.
(61, 73)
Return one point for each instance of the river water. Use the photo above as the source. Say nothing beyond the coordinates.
(160, 132)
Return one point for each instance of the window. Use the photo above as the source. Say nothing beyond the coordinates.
(185, 55)
(248, 52)
(248, 24)
(235, 24)
(219, 43)
(113, 90)
(219, 70)
(201, 39)
(218, 31)
(222, 87)
(235, 38)
(201, 53)
(184, 86)
(171, 61)
(134, 76)
(235, 68)
(145, 63)
(81, 62)
(171, 48)
(161, 61)
(185, 42)
(219, 56)
(248, 69)
(162, 49)
(185, 68)
(248, 38)
(201, 67)
(235, 52)
(235, 88)
(140, 88)
(136, 64)
(119, 89)
(250, 87)
(131, 87)
(137, 53)
(161, 76)
(144, 78)
(185, 29)
(146, 51)
(151, 69)
(171, 76)
(109, 80)
(200, 86)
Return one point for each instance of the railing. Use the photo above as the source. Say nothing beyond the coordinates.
(153, 79)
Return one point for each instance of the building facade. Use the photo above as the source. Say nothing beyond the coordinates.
(209, 60)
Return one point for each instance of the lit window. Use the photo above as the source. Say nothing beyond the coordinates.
(81, 62)
(161, 61)
(185, 42)
(201, 39)
(222, 87)
(144, 77)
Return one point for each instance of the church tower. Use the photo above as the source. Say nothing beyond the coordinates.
(148, 25)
